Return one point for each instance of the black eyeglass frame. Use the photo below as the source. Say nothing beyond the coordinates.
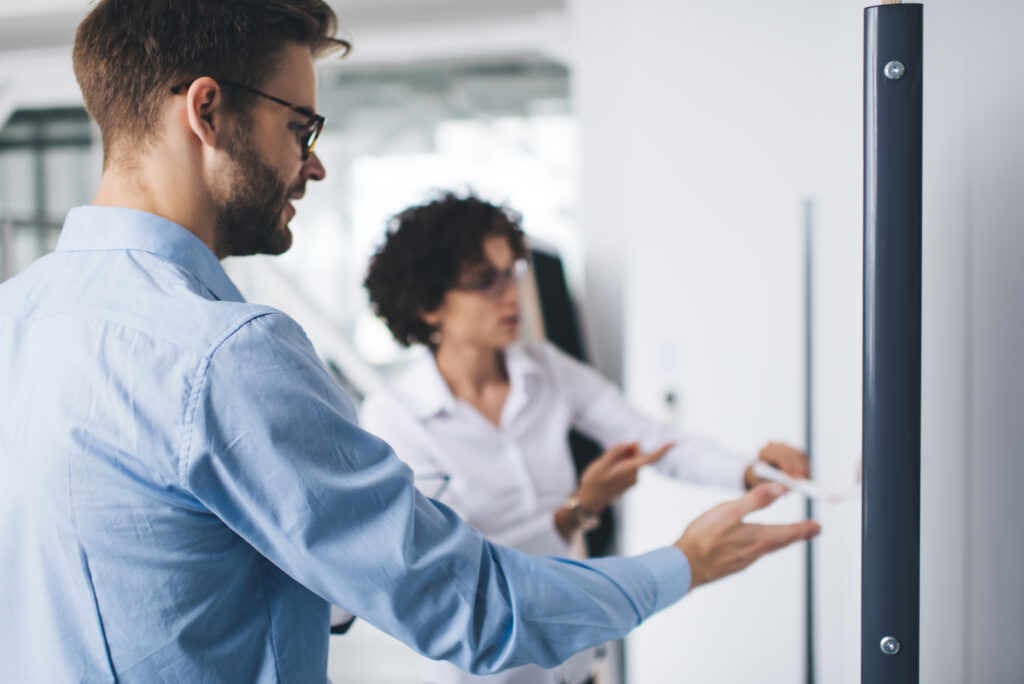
(314, 126)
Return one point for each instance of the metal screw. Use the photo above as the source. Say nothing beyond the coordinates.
(894, 70)
(890, 645)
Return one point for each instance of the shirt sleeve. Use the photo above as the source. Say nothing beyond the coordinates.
(384, 415)
(274, 451)
(600, 411)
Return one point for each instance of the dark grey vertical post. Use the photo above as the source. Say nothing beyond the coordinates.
(809, 430)
(890, 573)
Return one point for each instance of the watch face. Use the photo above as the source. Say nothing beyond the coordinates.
(584, 520)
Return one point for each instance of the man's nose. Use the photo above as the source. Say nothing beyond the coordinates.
(312, 169)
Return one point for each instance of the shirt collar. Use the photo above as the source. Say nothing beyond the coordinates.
(427, 393)
(520, 363)
(92, 229)
(423, 388)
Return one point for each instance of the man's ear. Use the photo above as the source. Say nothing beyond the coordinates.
(206, 112)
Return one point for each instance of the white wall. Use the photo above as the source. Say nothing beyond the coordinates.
(945, 462)
(703, 126)
(703, 133)
(994, 93)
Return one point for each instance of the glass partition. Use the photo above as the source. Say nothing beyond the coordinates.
(49, 162)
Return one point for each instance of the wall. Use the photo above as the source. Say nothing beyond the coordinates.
(702, 136)
(994, 91)
(703, 127)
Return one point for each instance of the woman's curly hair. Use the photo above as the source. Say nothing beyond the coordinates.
(426, 249)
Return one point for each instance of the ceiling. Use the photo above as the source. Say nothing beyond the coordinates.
(50, 23)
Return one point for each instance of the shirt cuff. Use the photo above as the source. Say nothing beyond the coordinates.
(671, 570)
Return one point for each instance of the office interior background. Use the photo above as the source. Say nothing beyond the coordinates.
(673, 153)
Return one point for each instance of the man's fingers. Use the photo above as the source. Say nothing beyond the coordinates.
(759, 497)
(774, 537)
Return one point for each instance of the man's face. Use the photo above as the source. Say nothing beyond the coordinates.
(249, 219)
(266, 170)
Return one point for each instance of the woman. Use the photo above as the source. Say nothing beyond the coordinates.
(483, 419)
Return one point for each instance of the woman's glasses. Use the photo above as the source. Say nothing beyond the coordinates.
(491, 282)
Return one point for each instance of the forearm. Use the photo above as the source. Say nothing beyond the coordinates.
(565, 523)
(579, 512)
(333, 508)
(591, 602)
(691, 458)
(502, 608)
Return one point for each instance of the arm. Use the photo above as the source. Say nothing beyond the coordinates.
(600, 410)
(604, 480)
(272, 449)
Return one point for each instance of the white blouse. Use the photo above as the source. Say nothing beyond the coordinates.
(507, 481)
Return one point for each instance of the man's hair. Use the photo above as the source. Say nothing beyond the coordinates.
(426, 250)
(128, 54)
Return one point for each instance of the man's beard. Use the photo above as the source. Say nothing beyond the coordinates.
(249, 219)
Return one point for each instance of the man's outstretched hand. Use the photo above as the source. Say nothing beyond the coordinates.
(719, 543)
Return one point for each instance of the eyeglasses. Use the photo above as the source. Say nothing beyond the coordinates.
(307, 134)
(492, 282)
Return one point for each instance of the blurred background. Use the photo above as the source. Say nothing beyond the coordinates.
(682, 159)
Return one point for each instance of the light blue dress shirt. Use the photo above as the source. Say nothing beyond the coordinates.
(184, 488)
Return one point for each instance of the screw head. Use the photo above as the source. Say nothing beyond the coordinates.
(894, 70)
(890, 645)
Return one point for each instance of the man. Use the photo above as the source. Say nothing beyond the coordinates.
(185, 488)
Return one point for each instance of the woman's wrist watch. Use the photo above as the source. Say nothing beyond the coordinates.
(583, 519)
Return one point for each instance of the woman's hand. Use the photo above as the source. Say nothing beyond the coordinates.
(612, 473)
(789, 460)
